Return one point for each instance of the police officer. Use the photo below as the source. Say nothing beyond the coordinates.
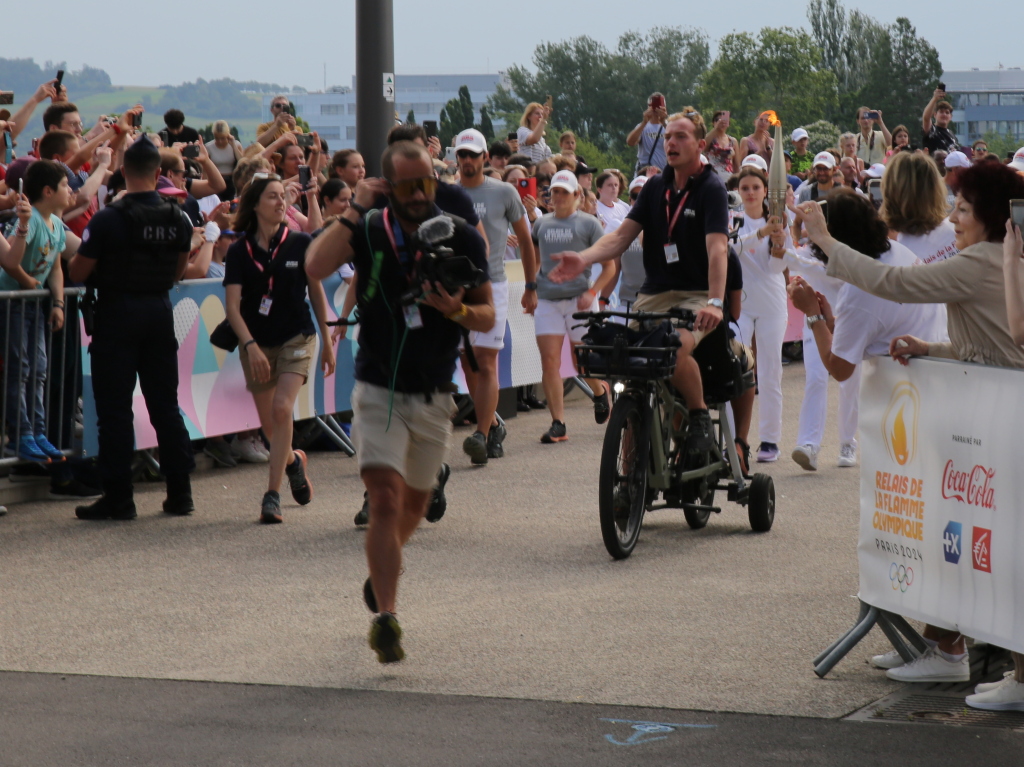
(132, 253)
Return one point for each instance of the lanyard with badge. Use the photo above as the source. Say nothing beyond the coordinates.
(413, 318)
(671, 249)
(267, 301)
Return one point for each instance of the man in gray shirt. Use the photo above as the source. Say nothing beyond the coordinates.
(498, 206)
(566, 228)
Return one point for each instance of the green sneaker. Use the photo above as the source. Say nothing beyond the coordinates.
(385, 638)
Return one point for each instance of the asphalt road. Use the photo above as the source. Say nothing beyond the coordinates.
(522, 635)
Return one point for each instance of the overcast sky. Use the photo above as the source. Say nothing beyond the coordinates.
(273, 42)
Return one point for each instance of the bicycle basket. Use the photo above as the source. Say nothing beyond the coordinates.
(617, 351)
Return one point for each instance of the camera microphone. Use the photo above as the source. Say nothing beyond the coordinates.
(435, 230)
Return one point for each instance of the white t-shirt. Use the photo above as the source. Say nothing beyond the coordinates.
(938, 245)
(612, 217)
(536, 152)
(764, 286)
(865, 324)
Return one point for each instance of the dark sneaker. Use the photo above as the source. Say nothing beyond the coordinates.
(602, 406)
(363, 515)
(369, 597)
(72, 489)
(270, 513)
(438, 501)
(51, 451)
(700, 437)
(767, 452)
(220, 452)
(534, 403)
(475, 446)
(179, 504)
(496, 441)
(386, 637)
(555, 434)
(105, 508)
(302, 488)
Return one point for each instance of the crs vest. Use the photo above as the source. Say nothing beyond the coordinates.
(148, 261)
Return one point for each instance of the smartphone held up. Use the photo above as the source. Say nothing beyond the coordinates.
(1017, 213)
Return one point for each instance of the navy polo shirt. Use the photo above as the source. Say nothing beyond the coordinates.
(706, 212)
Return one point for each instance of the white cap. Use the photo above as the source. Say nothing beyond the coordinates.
(565, 179)
(639, 181)
(824, 158)
(798, 134)
(471, 139)
(756, 160)
(957, 160)
(875, 171)
(1017, 163)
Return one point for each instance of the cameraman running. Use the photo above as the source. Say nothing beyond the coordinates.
(683, 214)
(407, 351)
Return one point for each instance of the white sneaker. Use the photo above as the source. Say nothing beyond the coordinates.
(257, 442)
(807, 457)
(248, 452)
(1008, 696)
(847, 455)
(932, 667)
(891, 659)
(990, 686)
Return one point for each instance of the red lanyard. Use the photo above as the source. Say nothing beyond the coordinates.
(248, 245)
(679, 210)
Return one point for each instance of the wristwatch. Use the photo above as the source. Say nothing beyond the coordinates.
(812, 318)
(530, 286)
(716, 302)
(458, 314)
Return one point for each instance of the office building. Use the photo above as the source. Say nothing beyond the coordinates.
(986, 101)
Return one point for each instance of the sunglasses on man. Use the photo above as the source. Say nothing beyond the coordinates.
(409, 187)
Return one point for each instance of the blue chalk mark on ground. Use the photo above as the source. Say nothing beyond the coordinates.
(648, 732)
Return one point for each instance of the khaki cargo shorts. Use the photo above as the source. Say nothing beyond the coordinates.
(293, 356)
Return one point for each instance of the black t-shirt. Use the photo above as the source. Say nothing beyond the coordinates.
(289, 314)
(191, 207)
(706, 211)
(733, 281)
(428, 354)
(450, 198)
(939, 138)
(187, 136)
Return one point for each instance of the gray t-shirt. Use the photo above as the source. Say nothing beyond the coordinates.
(498, 206)
(555, 235)
(651, 148)
(633, 273)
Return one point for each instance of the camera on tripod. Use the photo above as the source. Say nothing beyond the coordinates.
(440, 264)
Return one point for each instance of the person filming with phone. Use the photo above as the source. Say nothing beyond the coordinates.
(647, 136)
(684, 216)
(423, 283)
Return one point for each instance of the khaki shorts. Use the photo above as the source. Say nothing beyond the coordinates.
(293, 356)
(416, 442)
(694, 300)
(743, 352)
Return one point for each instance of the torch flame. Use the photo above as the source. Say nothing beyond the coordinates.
(773, 119)
(899, 438)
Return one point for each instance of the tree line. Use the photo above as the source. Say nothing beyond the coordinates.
(846, 60)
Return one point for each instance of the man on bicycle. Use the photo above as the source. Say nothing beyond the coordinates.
(683, 214)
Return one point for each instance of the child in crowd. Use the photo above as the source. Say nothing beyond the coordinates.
(28, 263)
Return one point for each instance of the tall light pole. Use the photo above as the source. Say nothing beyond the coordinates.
(375, 57)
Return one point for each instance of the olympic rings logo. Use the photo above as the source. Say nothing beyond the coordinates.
(901, 576)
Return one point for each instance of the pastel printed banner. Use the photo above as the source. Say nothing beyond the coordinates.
(211, 387)
(941, 534)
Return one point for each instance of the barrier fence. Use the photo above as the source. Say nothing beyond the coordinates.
(940, 532)
(41, 374)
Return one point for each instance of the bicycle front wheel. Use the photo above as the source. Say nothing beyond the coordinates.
(622, 487)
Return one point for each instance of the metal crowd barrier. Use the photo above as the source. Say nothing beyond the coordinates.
(61, 379)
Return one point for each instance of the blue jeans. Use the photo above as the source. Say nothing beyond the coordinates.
(24, 330)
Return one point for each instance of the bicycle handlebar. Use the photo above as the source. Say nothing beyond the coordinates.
(685, 315)
(342, 321)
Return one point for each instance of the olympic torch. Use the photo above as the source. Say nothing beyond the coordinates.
(777, 183)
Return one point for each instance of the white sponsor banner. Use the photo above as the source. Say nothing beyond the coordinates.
(942, 484)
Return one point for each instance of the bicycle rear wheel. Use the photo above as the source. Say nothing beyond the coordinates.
(622, 487)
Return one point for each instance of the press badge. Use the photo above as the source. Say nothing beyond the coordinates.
(265, 303)
(671, 253)
(413, 318)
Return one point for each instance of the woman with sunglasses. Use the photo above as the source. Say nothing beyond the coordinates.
(265, 283)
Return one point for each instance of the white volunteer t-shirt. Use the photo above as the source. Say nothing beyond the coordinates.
(612, 217)
(865, 324)
(938, 245)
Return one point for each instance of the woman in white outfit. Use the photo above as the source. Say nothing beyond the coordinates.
(761, 248)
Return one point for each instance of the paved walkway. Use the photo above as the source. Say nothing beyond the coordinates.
(510, 596)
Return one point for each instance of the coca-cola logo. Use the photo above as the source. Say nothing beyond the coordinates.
(972, 487)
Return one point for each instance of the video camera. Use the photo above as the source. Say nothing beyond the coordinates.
(439, 264)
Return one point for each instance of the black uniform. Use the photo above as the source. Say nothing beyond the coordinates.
(136, 243)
